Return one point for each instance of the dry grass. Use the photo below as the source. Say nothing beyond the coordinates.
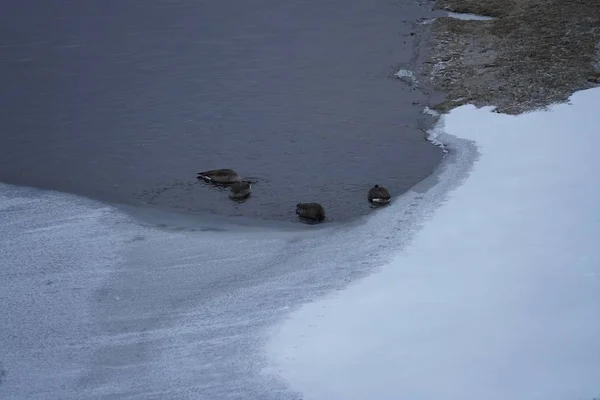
(535, 53)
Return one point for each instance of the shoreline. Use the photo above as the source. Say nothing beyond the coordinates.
(529, 55)
(495, 295)
(165, 301)
(305, 335)
(203, 293)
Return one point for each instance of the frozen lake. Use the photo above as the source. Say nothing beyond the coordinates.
(99, 304)
(496, 296)
(480, 268)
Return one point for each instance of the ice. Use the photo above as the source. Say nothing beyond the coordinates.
(430, 111)
(497, 296)
(98, 303)
(45, 282)
(489, 286)
(469, 17)
(461, 16)
(406, 75)
(434, 134)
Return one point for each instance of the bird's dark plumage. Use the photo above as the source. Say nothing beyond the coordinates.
(240, 190)
(310, 211)
(220, 176)
(379, 194)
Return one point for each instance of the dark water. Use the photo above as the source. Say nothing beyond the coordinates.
(125, 101)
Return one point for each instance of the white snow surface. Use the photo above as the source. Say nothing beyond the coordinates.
(469, 17)
(98, 305)
(496, 296)
(485, 285)
(461, 16)
(406, 75)
(100, 302)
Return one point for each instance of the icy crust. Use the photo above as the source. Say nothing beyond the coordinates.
(497, 295)
(489, 287)
(55, 250)
(97, 304)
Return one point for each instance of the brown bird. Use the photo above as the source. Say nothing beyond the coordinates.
(220, 176)
(240, 190)
(379, 195)
(310, 211)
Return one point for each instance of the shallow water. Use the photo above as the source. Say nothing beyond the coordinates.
(126, 101)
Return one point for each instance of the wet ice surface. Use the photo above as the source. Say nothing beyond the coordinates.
(125, 101)
(97, 304)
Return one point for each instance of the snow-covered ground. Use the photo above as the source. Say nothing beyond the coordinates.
(489, 286)
(496, 296)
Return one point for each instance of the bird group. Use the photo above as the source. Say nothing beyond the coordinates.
(241, 189)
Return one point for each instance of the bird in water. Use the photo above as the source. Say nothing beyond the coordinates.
(220, 176)
(379, 195)
(310, 211)
(240, 190)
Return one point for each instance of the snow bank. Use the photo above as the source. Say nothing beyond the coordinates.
(497, 296)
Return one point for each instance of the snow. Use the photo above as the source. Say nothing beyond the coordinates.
(406, 75)
(106, 302)
(469, 17)
(433, 134)
(495, 296)
(486, 285)
(461, 16)
(96, 304)
(427, 21)
(430, 111)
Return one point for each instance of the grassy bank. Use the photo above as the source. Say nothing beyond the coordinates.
(535, 52)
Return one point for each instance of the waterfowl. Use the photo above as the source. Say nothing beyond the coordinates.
(220, 176)
(240, 190)
(310, 211)
(378, 194)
